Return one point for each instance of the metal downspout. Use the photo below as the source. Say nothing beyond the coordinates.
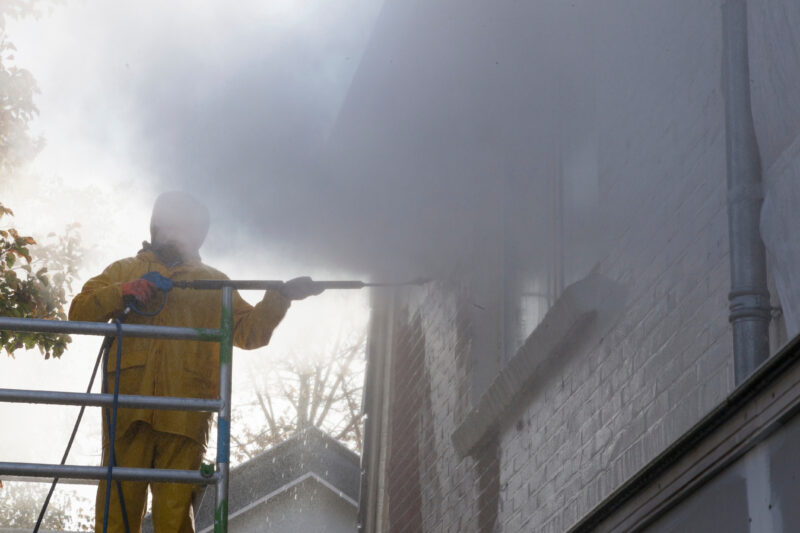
(749, 296)
(376, 400)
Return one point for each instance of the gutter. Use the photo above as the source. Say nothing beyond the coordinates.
(375, 403)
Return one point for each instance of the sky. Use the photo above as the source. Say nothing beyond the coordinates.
(133, 99)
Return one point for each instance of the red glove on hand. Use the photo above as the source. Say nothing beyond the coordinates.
(139, 289)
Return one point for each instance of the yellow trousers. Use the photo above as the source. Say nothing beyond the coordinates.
(143, 447)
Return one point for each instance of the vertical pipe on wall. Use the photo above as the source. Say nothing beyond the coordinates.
(749, 296)
(375, 405)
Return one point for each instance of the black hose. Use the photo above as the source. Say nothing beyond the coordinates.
(112, 431)
(100, 356)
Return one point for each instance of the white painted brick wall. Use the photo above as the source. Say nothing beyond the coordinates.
(455, 474)
(667, 360)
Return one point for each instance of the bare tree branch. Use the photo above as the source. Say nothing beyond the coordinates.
(319, 389)
(241, 447)
(351, 353)
(294, 395)
(267, 410)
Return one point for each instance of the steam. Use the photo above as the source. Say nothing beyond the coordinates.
(354, 136)
(403, 167)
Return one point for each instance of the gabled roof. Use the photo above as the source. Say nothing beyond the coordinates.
(309, 455)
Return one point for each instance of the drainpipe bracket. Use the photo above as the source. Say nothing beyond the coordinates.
(748, 304)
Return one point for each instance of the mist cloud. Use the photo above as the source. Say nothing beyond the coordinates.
(395, 163)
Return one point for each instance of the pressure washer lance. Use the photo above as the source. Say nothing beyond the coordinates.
(255, 284)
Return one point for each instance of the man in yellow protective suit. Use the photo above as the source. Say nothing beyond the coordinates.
(158, 438)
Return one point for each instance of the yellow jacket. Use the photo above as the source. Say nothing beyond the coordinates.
(158, 367)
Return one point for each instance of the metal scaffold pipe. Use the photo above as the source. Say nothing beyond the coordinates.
(224, 417)
(116, 331)
(99, 472)
(106, 400)
(105, 329)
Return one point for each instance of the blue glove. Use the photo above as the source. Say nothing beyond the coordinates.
(161, 282)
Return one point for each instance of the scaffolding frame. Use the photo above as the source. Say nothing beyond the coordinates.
(221, 405)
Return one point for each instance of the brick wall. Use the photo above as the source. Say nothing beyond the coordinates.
(405, 492)
(451, 493)
(624, 393)
(633, 382)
